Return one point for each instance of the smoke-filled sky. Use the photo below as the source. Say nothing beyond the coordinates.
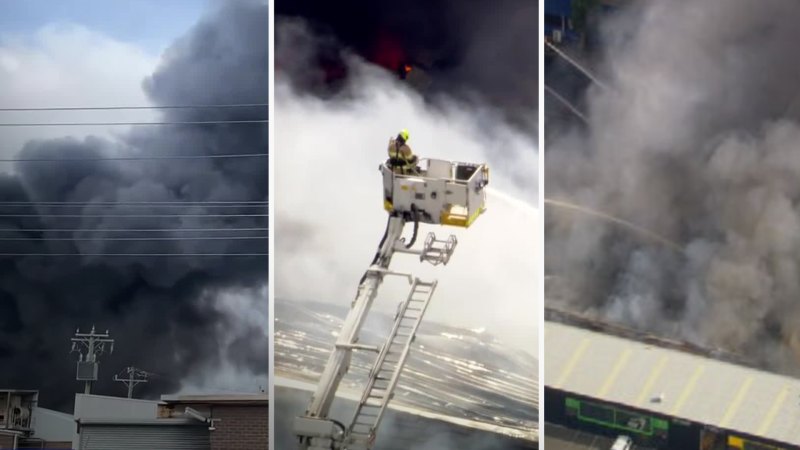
(696, 140)
(192, 321)
(328, 201)
(483, 52)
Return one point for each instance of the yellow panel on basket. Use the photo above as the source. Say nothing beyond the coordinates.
(459, 220)
(735, 442)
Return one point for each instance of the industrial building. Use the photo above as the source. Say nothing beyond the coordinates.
(212, 422)
(197, 422)
(663, 395)
(559, 15)
(23, 424)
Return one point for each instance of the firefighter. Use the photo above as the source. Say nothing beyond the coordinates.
(401, 159)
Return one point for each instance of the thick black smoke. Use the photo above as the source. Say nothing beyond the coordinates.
(696, 139)
(480, 51)
(163, 312)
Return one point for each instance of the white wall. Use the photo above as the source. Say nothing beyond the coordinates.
(103, 407)
(52, 425)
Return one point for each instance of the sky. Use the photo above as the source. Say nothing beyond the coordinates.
(149, 24)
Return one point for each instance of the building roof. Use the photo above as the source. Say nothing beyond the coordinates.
(218, 399)
(18, 391)
(136, 421)
(672, 382)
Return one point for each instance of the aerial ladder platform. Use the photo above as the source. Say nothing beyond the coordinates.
(438, 192)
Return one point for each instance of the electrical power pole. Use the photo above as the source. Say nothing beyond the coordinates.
(89, 346)
(134, 377)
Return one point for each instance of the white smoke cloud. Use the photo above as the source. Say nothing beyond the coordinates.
(70, 65)
(246, 308)
(328, 203)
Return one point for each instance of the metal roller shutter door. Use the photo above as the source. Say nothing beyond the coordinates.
(139, 437)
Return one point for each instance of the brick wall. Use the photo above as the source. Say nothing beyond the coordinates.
(240, 428)
(36, 443)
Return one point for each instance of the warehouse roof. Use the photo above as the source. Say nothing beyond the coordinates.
(672, 382)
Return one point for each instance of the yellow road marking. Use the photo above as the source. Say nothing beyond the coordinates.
(648, 385)
(573, 360)
(621, 361)
(773, 411)
(688, 389)
(736, 402)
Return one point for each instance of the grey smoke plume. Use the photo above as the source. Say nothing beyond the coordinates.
(696, 140)
(170, 316)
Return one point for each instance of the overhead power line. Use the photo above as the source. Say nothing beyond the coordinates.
(194, 238)
(132, 215)
(131, 230)
(192, 255)
(43, 205)
(176, 202)
(117, 108)
(72, 124)
(139, 158)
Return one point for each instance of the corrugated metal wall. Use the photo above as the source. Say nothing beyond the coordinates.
(138, 437)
